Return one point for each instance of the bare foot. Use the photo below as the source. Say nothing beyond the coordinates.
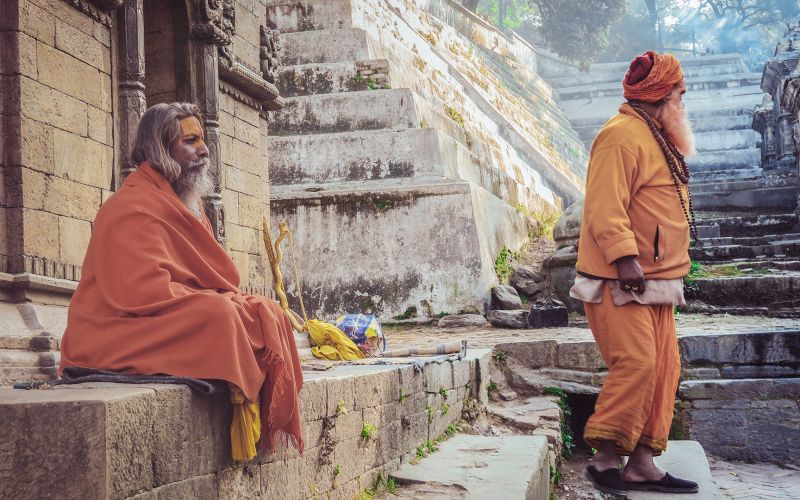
(636, 473)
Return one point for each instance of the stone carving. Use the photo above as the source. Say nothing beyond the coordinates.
(29, 264)
(781, 80)
(216, 21)
(270, 46)
(561, 266)
(97, 9)
(132, 102)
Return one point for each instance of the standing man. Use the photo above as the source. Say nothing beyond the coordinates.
(632, 258)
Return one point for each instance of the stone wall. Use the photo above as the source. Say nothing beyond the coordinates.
(58, 134)
(153, 442)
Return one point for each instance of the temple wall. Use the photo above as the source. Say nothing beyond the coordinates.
(58, 134)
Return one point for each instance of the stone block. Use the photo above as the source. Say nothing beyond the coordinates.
(532, 354)
(102, 34)
(37, 145)
(199, 488)
(75, 460)
(318, 476)
(348, 425)
(548, 315)
(728, 389)
(71, 199)
(81, 160)
(438, 376)
(69, 75)
(27, 55)
(242, 482)
(508, 318)
(248, 133)
(313, 400)
(47, 105)
(101, 126)
(74, 237)
(277, 478)
(67, 13)
(40, 234)
(349, 456)
(340, 389)
(231, 201)
(411, 381)
(37, 23)
(580, 355)
(247, 113)
(462, 372)
(83, 46)
(312, 432)
(28, 188)
(462, 320)
(505, 297)
(244, 182)
(251, 211)
(383, 415)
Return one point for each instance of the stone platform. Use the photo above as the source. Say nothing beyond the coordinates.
(411, 134)
(684, 459)
(155, 441)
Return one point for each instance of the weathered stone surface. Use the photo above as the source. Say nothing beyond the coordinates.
(528, 281)
(462, 320)
(505, 297)
(508, 319)
(73, 239)
(684, 459)
(548, 315)
(479, 467)
(755, 389)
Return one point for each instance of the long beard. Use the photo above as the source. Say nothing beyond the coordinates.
(194, 183)
(677, 127)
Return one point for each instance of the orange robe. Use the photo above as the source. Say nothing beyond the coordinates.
(632, 208)
(159, 295)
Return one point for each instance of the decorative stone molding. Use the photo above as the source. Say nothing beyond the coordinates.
(29, 264)
(97, 9)
(132, 102)
(252, 87)
(216, 21)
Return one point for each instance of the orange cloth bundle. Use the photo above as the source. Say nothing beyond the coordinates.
(159, 295)
(652, 77)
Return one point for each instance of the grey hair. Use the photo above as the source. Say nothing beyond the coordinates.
(157, 130)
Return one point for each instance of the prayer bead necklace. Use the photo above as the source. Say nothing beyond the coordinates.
(677, 167)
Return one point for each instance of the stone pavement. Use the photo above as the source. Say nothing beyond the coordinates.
(688, 324)
(739, 480)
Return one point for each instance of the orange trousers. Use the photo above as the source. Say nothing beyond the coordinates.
(640, 348)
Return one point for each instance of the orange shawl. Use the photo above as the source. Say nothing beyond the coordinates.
(159, 295)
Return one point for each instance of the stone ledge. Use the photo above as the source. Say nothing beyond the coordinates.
(159, 441)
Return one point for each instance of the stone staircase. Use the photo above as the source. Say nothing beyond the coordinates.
(406, 145)
(721, 96)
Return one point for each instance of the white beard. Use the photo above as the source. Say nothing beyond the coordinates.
(674, 117)
(194, 183)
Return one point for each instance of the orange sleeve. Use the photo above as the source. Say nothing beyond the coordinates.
(608, 192)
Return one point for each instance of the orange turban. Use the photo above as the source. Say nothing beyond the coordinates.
(652, 77)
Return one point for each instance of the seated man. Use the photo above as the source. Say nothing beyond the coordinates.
(159, 295)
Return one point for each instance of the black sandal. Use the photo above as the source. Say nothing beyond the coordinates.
(667, 484)
(607, 481)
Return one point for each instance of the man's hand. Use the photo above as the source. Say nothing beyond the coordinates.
(631, 275)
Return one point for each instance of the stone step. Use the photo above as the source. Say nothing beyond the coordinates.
(345, 112)
(316, 160)
(17, 365)
(764, 179)
(686, 460)
(327, 78)
(779, 198)
(307, 15)
(757, 225)
(705, 123)
(725, 160)
(704, 83)
(692, 67)
(751, 240)
(724, 175)
(480, 467)
(773, 291)
(780, 249)
(325, 46)
(727, 140)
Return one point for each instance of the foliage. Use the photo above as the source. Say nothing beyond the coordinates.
(444, 408)
(367, 430)
(500, 357)
(567, 438)
(337, 470)
(546, 222)
(443, 393)
(409, 313)
(341, 408)
(502, 265)
(455, 115)
(403, 396)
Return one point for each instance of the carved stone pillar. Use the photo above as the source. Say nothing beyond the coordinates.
(132, 102)
(207, 98)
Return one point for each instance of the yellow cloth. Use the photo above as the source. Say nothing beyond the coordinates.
(245, 426)
(631, 205)
(332, 343)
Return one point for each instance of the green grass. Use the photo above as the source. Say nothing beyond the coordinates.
(367, 430)
(502, 265)
(409, 313)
